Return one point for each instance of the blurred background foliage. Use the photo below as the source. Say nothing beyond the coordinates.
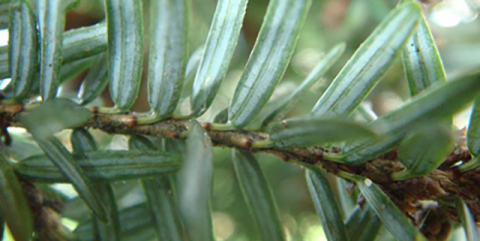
(329, 22)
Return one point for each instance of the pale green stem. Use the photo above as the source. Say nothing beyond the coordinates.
(266, 143)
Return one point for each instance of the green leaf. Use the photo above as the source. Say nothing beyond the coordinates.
(75, 208)
(4, 11)
(363, 224)
(4, 65)
(367, 150)
(473, 137)
(190, 71)
(219, 48)
(73, 69)
(67, 71)
(309, 131)
(467, 219)
(269, 58)
(439, 101)
(84, 42)
(23, 48)
(95, 81)
(138, 143)
(348, 201)
(257, 195)
(326, 205)
(366, 113)
(2, 227)
(138, 217)
(470, 165)
(370, 62)
(168, 55)
(176, 146)
(192, 65)
(71, 4)
(82, 141)
(221, 117)
(104, 166)
(160, 193)
(422, 151)
(71, 170)
(53, 116)
(393, 219)
(51, 23)
(421, 61)
(148, 233)
(78, 45)
(473, 133)
(195, 184)
(125, 50)
(291, 101)
(14, 207)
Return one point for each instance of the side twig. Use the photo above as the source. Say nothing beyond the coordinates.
(441, 185)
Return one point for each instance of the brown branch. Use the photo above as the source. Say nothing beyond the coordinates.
(442, 184)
